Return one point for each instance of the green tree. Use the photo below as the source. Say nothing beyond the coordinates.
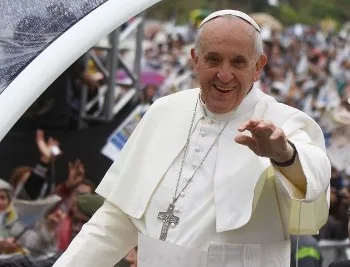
(288, 12)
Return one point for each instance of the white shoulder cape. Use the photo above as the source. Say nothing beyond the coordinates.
(161, 135)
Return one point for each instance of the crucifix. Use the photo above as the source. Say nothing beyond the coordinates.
(168, 218)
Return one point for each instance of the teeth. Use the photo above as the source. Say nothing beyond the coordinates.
(224, 88)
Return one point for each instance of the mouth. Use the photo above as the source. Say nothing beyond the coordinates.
(223, 89)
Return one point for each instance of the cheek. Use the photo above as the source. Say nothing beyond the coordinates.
(205, 75)
(4, 203)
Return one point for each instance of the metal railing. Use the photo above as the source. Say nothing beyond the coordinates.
(332, 250)
(109, 98)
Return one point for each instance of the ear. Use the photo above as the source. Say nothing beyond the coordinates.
(194, 59)
(261, 62)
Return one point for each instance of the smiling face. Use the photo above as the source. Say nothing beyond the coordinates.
(226, 62)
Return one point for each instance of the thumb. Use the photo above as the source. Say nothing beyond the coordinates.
(246, 141)
(243, 139)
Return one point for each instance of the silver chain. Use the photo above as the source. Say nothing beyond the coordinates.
(176, 197)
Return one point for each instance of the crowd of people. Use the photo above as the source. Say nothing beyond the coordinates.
(308, 68)
(57, 212)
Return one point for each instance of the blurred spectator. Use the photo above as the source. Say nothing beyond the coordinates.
(33, 183)
(8, 216)
(86, 205)
(76, 175)
(308, 254)
(67, 229)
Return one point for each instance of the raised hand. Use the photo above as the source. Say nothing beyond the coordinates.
(267, 140)
(76, 173)
(46, 147)
(53, 219)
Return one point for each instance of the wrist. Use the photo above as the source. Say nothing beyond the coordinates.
(45, 160)
(288, 158)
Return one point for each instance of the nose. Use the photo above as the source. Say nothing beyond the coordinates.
(225, 74)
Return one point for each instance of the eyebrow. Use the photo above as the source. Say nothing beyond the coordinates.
(240, 57)
(214, 54)
(211, 54)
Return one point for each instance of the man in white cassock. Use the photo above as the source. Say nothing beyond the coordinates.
(214, 176)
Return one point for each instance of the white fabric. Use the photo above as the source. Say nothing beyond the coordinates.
(241, 204)
(5, 185)
(196, 207)
(154, 253)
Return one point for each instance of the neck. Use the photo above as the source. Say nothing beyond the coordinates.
(219, 117)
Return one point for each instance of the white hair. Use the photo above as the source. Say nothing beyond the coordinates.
(258, 43)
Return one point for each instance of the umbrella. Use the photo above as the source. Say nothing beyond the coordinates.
(264, 19)
(147, 77)
(152, 78)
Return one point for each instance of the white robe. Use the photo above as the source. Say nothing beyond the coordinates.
(252, 201)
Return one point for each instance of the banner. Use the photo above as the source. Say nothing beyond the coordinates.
(31, 211)
(118, 138)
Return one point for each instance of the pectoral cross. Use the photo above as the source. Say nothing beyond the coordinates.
(168, 218)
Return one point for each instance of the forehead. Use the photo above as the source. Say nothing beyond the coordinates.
(232, 34)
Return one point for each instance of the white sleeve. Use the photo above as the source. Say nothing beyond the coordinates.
(315, 166)
(306, 214)
(103, 241)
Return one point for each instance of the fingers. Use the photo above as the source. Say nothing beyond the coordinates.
(54, 219)
(266, 139)
(259, 128)
(249, 125)
(263, 129)
(39, 135)
(52, 142)
(277, 134)
(246, 141)
(279, 139)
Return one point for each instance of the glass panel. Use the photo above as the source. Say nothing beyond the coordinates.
(27, 27)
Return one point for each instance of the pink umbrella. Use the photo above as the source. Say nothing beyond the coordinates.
(147, 77)
(152, 78)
